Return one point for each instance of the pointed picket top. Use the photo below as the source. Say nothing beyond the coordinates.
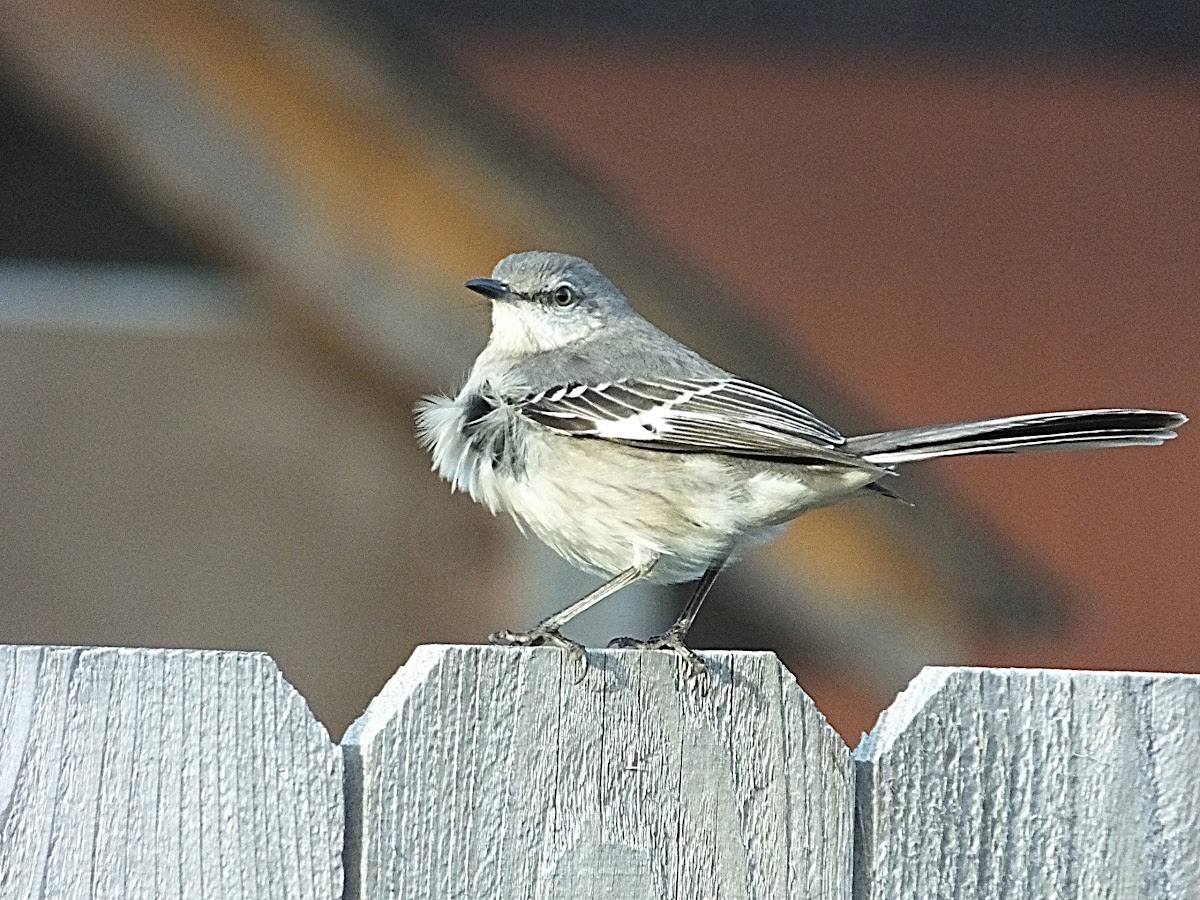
(163, 773)
(1032, 783)
(495, 772)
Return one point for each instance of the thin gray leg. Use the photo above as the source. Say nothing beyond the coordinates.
(673, 638)
(546, 632)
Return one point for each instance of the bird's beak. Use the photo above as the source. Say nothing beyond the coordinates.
(489, 287)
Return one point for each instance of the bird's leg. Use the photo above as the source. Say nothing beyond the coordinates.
(673, 638)
(546, 632)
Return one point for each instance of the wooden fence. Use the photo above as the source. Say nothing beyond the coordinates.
(484, 772)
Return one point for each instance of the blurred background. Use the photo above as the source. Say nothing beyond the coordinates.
(233, 237)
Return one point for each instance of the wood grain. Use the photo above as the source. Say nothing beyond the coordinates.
(493, 772)
(163, 774)
(1009, 783)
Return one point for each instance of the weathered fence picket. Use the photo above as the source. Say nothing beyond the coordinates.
(1028, 783)
(488, 773)
(148, 774)
(483, 772)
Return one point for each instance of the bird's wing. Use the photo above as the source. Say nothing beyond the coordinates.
(703, 415)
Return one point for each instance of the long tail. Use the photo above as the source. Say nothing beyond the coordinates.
(1085, 428)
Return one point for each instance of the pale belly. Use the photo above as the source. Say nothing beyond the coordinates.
(606, 507)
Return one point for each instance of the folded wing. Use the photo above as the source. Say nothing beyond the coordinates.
(718, 415)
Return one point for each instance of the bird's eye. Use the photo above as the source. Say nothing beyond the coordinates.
(563, 295)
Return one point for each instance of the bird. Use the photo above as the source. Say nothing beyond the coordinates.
(636, 459)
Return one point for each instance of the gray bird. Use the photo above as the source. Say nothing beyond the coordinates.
(635, 458)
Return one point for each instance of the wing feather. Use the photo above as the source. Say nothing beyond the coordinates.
(714, 415)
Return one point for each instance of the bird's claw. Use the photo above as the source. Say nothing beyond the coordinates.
(539, 637)
(671, 641)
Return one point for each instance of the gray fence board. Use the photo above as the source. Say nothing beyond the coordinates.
(484, 772)
(487, 772)
(1039, 784)
(163, 774)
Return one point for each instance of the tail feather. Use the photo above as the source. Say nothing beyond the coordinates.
(1091, 428)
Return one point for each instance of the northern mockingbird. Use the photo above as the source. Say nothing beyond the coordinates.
(634, 457)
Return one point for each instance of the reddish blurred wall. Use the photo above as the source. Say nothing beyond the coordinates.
(950, 240)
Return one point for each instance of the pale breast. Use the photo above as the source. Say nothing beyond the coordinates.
(607, 507)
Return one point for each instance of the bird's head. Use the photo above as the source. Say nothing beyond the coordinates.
(543, 301)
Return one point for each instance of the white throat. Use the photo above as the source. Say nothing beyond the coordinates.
(522, 332)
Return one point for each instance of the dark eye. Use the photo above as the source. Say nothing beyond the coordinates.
(563, 295)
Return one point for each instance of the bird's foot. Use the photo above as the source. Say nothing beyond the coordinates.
(671, 641)
(539, 637)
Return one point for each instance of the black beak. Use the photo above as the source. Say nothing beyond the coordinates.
(489, 287)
